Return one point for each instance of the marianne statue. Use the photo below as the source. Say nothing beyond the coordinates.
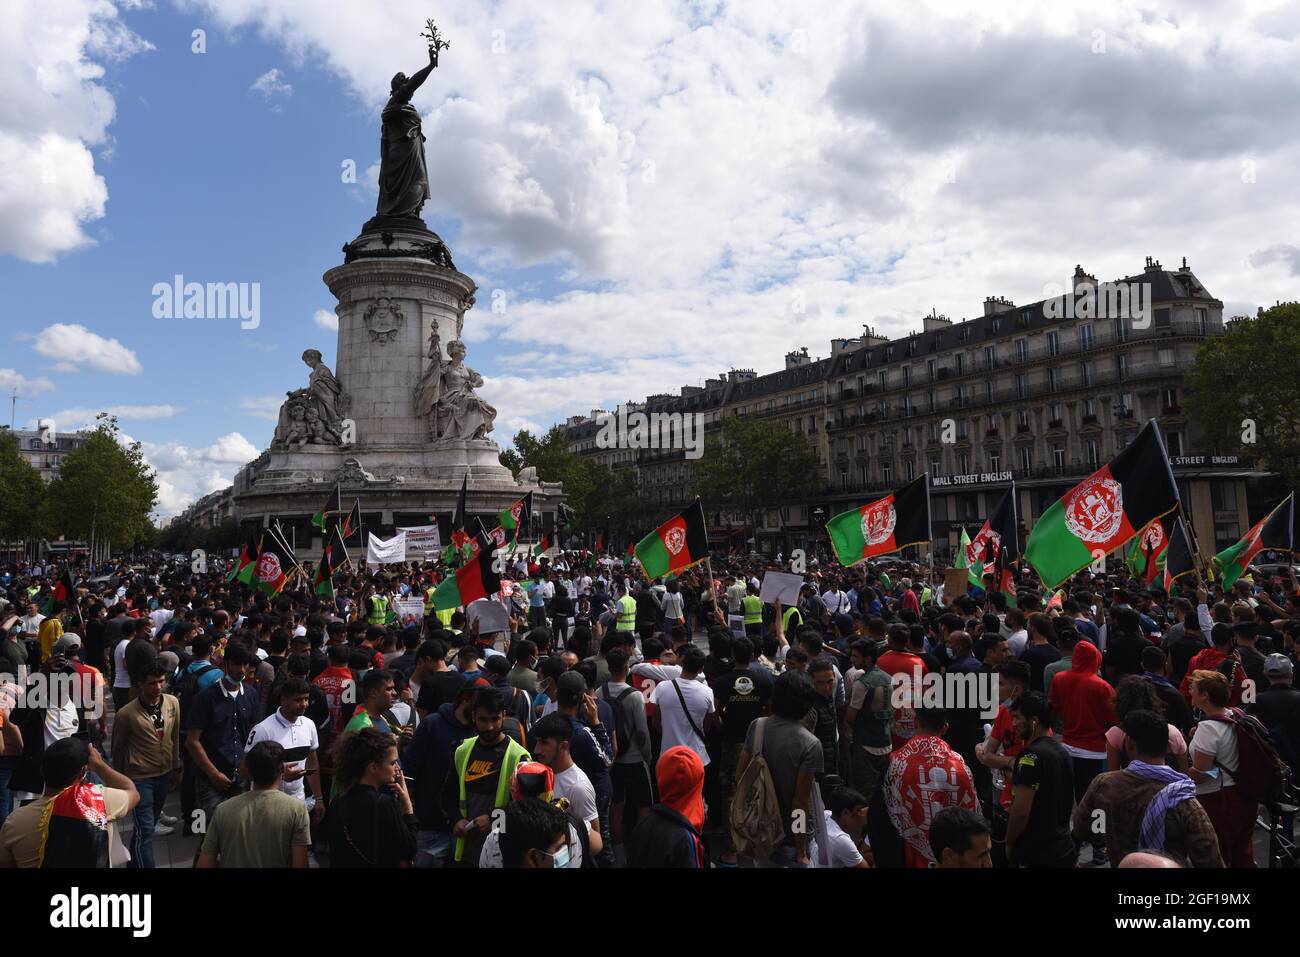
(403, 173)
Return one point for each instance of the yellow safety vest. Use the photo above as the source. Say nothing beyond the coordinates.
(378, 610)
(513, 756)
(626, 614)
(753, 607)
(786, 619)
(428, 601)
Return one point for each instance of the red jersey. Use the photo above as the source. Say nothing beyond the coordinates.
(913, 667)
(337, 683)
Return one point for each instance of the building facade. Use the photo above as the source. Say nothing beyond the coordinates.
(1040, 395)
(44, 450)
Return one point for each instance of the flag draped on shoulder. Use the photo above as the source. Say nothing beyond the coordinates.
(1271, 531)
(1105, 510)
(886, 525)
(675, 545)
(1178, 554)
(473, 580)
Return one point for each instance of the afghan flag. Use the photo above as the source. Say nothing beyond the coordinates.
(885, 525)
(323, 582)
(274, 562)
(1271, 531)
(675, 545)
(323, 513)
(1178, 554)
(459, 537)
(965, 558)
(542, 546)
(471, 581)
(73, 829)
(630, 552)
(1146, 556)
(1105, 510)
(516, 517)
(243, 570)
(351, 523)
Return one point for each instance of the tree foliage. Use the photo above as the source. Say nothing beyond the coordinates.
(1251, 374)
(105, 491)
(22, 493)
(755, 463)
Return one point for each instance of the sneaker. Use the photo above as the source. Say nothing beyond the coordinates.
(162, 830)
(167, 820)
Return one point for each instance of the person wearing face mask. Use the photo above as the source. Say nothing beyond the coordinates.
(535, 835)
(216, 727)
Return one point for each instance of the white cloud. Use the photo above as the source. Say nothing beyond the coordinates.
(187, 473)
(70, 420)
(54, 108)
(72, 345)
(13, 381)
(326, 319)
(271, 84)
(262, 406)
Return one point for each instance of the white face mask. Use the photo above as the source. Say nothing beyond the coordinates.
(561, 857)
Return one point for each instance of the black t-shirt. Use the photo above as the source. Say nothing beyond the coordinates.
(742, 695)
(437, 689)
(1038, 657)
(1045, 767)
(1124, 654)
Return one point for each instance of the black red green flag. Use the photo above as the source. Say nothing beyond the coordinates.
(330, 559)
(243, 569)
(1178, 554)
(460, 537)
(274, 562)
(999, 533)
(675, 545)
(1146, 554)
(516, 517)
(323, 513)
(885, 525)
(1271, 531)
(1105, 510)
(351, 523)
(472, 581)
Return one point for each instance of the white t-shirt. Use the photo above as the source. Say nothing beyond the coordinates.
(836, 601)
(31, 624)
(676, 727)
(120, 678)
(491, 853)
(298, 740)
(1220, 740)
(673, 605)
(1016, 642)
(577, 787)
(160, 617)
(842, 851)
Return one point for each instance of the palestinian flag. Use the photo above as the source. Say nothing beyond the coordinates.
(1105, 510)
(1271, 531)
(323, 513)
(677, 544)
(516, 517)
(73, 829)
(243, 570)
(885, 525)
(351, 523)
(1178, 554)
(323, 582)
(1146, 556)
(274, 562)
(471, 581)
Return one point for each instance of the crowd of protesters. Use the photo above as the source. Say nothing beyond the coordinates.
(620, 722)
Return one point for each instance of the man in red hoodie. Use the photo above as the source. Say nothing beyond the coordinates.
(1085, 702)
(1212, 659)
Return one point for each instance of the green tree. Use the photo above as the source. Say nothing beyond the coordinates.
(1245, 385)
(22, 493)
(554, 462)
(755, 463)
(105, 491)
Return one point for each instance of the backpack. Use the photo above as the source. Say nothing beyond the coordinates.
(188, 687)
(622, 735)
(1261, 774)
(756, 822)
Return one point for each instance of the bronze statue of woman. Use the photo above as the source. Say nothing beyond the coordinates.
(403, 173)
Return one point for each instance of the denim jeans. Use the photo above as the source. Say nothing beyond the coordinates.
(7, 766)
(153, 795)
(433, 849)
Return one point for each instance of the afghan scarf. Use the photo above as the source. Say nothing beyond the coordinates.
(74, 828)
(1178, 788)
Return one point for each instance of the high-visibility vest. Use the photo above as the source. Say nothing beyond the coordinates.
(513, 756)
(753, 607)
(787, 619)
(428, 601)
(378, 610)
(626, 613)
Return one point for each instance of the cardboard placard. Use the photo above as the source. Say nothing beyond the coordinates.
(955, 583)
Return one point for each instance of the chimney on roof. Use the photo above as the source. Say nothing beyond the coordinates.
(1082, 280)
(934, 321)
(1153, 264)
(797, 358)
(688, 390)
(869, 337)
(996, 304)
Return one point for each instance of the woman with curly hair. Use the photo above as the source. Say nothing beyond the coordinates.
(369, 827)
(1136, 693)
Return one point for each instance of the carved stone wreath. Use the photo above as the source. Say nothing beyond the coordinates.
(383, 320)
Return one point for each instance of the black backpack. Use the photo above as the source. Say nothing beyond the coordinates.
(1261, 773)
(622, 735)
(188, 687)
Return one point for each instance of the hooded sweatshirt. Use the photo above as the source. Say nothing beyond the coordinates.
(1085, 702)
(428, 760)
(669, 835)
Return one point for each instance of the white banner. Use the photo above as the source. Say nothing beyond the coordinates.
(382, 552)
(409, 611)
(423, 540)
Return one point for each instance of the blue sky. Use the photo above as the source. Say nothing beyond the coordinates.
(651, 196)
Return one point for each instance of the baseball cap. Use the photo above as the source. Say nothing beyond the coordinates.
(472, 685)
(65, 644)
(1278, 665)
